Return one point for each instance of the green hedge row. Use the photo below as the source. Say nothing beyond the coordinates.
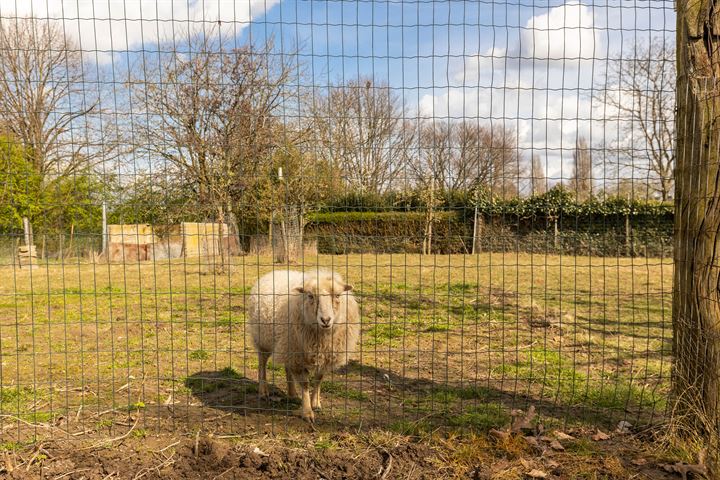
(593, 228)
(385, 232)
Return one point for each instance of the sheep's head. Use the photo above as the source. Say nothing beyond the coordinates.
(322, 300)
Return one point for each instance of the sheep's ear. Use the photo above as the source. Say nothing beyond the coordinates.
(299, 289)
(347, 287)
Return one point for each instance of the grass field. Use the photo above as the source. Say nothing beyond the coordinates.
(447, 341)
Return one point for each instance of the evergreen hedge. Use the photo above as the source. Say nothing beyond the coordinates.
(553, 222)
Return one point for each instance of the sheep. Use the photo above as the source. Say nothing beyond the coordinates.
(309, 322)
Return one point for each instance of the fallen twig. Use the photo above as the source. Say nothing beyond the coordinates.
(223, 473)
(196, 448)
(385, 470)
(70, 473)
(169, 446)
(38, 450)
(121, 437)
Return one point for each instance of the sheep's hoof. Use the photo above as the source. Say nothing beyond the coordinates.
(317, 407)
(308, 417)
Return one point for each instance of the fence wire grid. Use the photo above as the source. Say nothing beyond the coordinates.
(493, 179)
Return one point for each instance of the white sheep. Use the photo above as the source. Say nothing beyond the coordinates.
(309, 322)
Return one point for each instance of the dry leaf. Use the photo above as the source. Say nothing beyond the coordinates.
(551, 463)
(535, 473)
(562, 435)
(685, 468)
(623, 427)
(600, 436)
(533, 442)
(521, 420)
(555, 445)
(257, 451)
(499, 434)
(639, 461)
(526, 464)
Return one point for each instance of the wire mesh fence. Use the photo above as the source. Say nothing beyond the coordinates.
(491, 179)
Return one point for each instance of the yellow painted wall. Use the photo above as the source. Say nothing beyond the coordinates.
(202, 239)
(139, 234)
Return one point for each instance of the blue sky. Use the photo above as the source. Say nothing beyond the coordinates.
(530, 66)
(523, 64)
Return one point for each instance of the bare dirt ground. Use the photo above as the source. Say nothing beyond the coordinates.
(575, 453)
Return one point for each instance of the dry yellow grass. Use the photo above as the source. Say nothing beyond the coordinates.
(447, 340)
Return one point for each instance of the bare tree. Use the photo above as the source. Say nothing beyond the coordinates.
(43, 99)
(538, 180)
(213, 117)
(433, 163)
(460, 155)
(581, 181)
(361, 129)
(640, 86)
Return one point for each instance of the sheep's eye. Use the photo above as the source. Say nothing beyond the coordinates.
(310, 297)
(337, 296)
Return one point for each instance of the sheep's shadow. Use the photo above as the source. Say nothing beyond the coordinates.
(360, 394)
(228, 389)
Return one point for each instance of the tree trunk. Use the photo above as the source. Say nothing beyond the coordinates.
(477, 231)
(234, 244)
(429, 220)
(628, 238)
(696, 289)
(219, 241)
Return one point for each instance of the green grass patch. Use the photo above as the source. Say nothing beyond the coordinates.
(275, 367)
(11, 446)
(199, 355)
(581, 446)
(344, 391)
(229, 373)
(438, 327)
(103, 424)
(227, 319)
(15, 397)
(36, 417)
(384, 332)
(481, 417)
(417, 428)
(324, 443)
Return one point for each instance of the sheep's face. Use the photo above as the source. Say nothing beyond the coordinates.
(322, 301)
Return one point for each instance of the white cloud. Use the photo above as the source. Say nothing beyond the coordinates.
(118, 25)
(564, 32)
(537, 85)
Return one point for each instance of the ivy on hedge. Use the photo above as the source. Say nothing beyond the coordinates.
(555, 203)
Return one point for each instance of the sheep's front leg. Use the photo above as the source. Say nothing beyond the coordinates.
(263, 389)
(291, 390)
(315, 396)
(306, 411)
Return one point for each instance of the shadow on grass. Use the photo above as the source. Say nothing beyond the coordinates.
(227, 389)
(362, 395)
